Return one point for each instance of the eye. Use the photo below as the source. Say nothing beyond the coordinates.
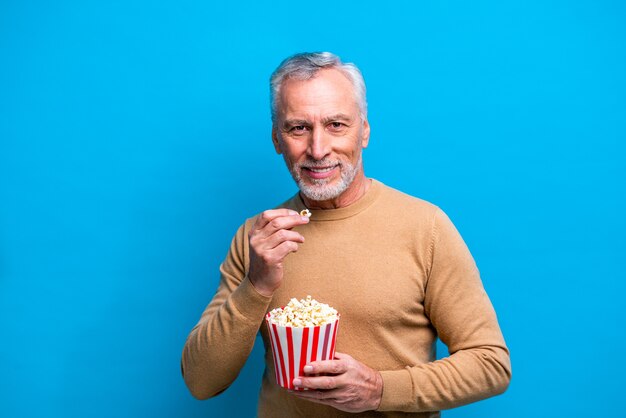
(298, 130)
(336, 126)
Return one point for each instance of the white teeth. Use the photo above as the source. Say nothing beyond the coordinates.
(321, 170)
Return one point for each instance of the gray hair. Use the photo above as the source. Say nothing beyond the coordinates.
(305, 65)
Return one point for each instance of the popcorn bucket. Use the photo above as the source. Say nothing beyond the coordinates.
(293, 348)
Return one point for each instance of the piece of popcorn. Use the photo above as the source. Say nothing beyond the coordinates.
(305, 212)
(303, 313)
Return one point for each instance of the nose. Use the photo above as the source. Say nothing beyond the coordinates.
(319, 144)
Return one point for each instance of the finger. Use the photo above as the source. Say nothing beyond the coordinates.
(281, 222)
(268, 215)
(280, 236)
(325, 383)
(338, 366)
(283, 249)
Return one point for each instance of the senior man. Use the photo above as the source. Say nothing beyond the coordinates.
(392, 264)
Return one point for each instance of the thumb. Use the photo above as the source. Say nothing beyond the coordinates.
(342, 356)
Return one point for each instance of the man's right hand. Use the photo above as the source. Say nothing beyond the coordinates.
(271, 239)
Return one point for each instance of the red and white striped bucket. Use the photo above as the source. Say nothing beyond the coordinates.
(293, 348)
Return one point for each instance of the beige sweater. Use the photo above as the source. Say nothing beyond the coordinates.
(400, 275)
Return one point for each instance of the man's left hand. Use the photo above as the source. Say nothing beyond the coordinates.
(345, 384)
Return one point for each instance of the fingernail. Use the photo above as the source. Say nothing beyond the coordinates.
(304, 218)
(308, 369)
(293, 212)
(297, 382)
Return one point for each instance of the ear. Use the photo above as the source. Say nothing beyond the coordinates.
(366, 134)
(275, 140)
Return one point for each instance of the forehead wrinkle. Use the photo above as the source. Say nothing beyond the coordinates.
(304, 99)
(311, 114)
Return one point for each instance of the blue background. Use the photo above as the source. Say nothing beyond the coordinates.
(135, 138)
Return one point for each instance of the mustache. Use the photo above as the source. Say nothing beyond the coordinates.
(319, 163)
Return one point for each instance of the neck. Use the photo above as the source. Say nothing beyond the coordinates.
(354, 192)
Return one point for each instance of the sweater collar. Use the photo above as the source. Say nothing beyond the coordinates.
(341, 213)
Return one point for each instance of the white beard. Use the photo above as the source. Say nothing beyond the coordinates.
(321, 189)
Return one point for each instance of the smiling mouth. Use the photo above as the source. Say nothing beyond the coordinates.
(320, 173)
(319, 169)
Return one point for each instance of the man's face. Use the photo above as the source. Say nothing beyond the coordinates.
(320, 133)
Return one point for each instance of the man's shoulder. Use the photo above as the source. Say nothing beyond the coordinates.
(397, 200)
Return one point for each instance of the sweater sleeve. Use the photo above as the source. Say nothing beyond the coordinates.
(220, 343)
(458, 307)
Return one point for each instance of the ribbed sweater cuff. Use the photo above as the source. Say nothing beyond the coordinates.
(397, 391)
(249, 302)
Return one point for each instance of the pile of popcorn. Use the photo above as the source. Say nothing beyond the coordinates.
(303, 313)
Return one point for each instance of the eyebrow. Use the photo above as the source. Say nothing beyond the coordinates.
(338, 116)
(296, 122)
